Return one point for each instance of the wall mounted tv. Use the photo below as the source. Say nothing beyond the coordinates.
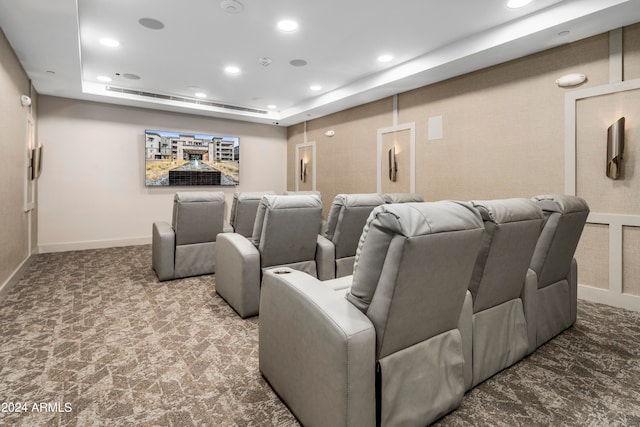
(180, 158)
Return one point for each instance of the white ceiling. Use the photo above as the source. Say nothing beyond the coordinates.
(430, 40)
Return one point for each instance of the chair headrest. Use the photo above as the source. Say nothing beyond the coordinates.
(508, 210)
(198, 196)
(251, 195)
(287, 202)
(364, 199)
(419, 219)
(561, 203)
(402, 197)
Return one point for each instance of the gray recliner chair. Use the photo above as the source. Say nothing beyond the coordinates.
(495, 313)
(285, 234)
(346, 219)
(186, 247)
(554, 297)
(391, 349)
(244, 209)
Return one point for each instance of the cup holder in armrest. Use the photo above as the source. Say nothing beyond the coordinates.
(281, 271)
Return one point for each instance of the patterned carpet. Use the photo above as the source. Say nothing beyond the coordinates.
(91, 338)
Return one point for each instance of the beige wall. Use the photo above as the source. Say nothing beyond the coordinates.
(504, 136)
(502, 130)
(92, 191)
(14, 232)
(345, 162)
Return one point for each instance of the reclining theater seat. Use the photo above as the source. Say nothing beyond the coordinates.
(243, 211)
(391, 349)
(555, 268)
(500, 334)
(308, 192)
(185, 248)
(346, 219)
(285, 233)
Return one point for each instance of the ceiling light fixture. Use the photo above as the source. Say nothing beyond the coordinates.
(105, 79)
(232, 70)
(385, 58)
(272, 106)
(105, 41)
(315, 87)
(288, 25)
(515, 4)
(201, 95)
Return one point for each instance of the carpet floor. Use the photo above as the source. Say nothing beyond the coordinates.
(91, 338)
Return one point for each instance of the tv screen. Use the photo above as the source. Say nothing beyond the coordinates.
(180, 158)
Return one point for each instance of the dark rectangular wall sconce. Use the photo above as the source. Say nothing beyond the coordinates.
(615, 149)
(393, 165)
(36, 162)
(303, 171)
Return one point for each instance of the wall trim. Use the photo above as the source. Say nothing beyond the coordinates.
(15, 277)
(93, 244)
(311, 144)
(614, 295)
(412, 161)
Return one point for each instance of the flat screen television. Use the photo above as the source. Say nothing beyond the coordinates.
(181, 158)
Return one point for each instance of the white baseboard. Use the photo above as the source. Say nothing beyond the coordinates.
(93, 244)
(605, 296)
(14, 277)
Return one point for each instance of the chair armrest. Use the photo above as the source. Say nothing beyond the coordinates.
(316, 350)
(163, 248)
(530, 305)
(238, 273)
(325, 258)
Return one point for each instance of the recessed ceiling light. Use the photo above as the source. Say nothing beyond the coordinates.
(315, 87)
(298, 62)
(514, 4)
(385, 58)
(131, 76)
(288, 25)
(201, 95)
(232, 69)
(105, 41)
(105, 79)
(272, 106)
(150, 23)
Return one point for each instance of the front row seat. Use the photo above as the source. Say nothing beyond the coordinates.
(285, 233)
(185, 247)
(390, 352)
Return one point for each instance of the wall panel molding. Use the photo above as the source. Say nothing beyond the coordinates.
(614, 295)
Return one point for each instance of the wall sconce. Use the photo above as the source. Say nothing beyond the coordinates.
(303, 170)
(36, 163)
(393, 165)
(615, 149)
